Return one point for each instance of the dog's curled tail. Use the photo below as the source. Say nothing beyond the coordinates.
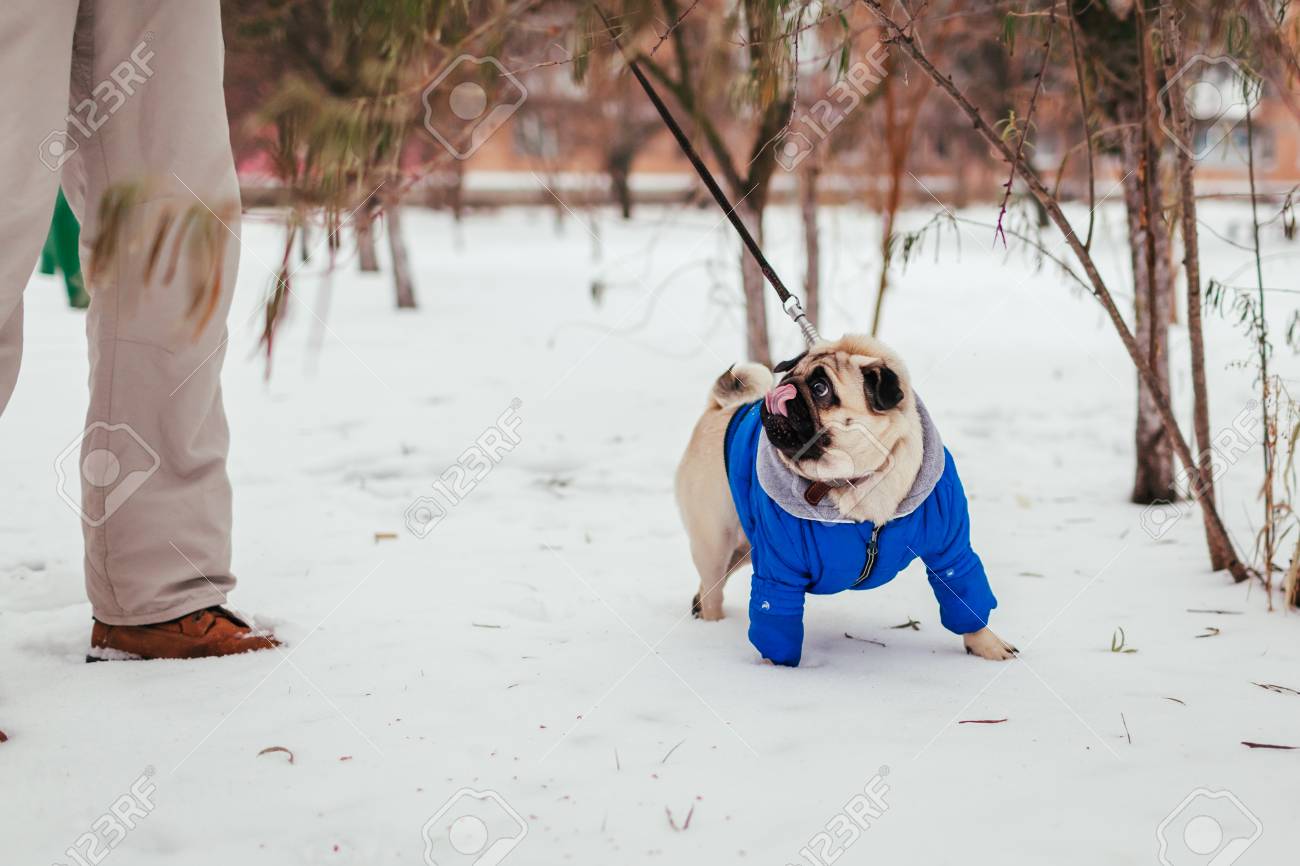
(741, 383)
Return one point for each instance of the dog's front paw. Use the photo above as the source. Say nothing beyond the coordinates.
(985, 644)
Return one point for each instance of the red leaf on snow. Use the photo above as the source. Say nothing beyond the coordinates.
(3, 736)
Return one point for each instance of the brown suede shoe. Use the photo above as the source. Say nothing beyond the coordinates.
(213, 631)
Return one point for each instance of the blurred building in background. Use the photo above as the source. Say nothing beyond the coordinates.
(602, 143)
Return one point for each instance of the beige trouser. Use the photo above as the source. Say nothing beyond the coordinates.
(144, 110)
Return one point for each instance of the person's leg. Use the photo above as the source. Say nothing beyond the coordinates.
(35, 56)
(147, 86)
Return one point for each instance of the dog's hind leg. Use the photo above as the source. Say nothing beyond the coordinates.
(715, 560)
(711, 556)
(718, 542)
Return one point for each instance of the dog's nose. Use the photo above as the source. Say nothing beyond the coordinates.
(778, 397)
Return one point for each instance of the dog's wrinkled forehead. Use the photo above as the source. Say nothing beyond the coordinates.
(849, 373)
(805, 360)
(833, 360)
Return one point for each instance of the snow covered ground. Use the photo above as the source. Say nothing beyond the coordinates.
(537, 642)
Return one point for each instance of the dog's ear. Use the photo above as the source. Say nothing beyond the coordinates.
(882, 388)
(786, 366)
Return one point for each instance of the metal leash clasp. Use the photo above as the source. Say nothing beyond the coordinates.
(794, 310)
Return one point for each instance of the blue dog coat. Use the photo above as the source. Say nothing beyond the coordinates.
(797, 555)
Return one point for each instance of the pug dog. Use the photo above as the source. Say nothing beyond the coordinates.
(834, 478)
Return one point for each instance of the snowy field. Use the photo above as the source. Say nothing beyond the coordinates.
(537, 642)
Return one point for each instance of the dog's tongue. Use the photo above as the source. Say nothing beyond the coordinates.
(778, 397)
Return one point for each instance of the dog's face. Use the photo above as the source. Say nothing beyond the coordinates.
(837, 413)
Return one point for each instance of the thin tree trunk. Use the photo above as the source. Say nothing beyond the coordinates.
(1172, 46)
(755, 288)
(1153, 298)
(748, 192)
(890, 205)
(402, 281)
(900, 124)
(1154, 479)
(458, 191)
(812, 244)
(908, 44)
(458, 205)
(621, 186)
(886, 248)
(366, 252)
(961, 187)
(618, 165)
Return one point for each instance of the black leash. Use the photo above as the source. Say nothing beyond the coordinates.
(789, 302)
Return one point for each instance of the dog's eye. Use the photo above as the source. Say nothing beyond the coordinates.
(820, 388)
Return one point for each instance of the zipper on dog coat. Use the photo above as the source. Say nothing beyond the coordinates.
(873, 549)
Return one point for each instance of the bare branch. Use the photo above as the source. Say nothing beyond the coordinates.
(1029, 119)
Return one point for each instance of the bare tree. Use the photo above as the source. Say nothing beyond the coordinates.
(333, 92)
(1115, 38)
(704, 62)
(900, 109)
(1137, 354)
(402, 279)
(627, 126)
(1172, 53)
(364, 228)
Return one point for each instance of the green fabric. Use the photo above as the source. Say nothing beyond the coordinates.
(62, 252)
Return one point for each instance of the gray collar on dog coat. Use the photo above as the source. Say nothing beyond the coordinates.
(788, 489)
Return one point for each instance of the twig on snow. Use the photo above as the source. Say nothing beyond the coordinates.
(269, 749)
(1274, 687)
(670, 752)
(686, 825)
